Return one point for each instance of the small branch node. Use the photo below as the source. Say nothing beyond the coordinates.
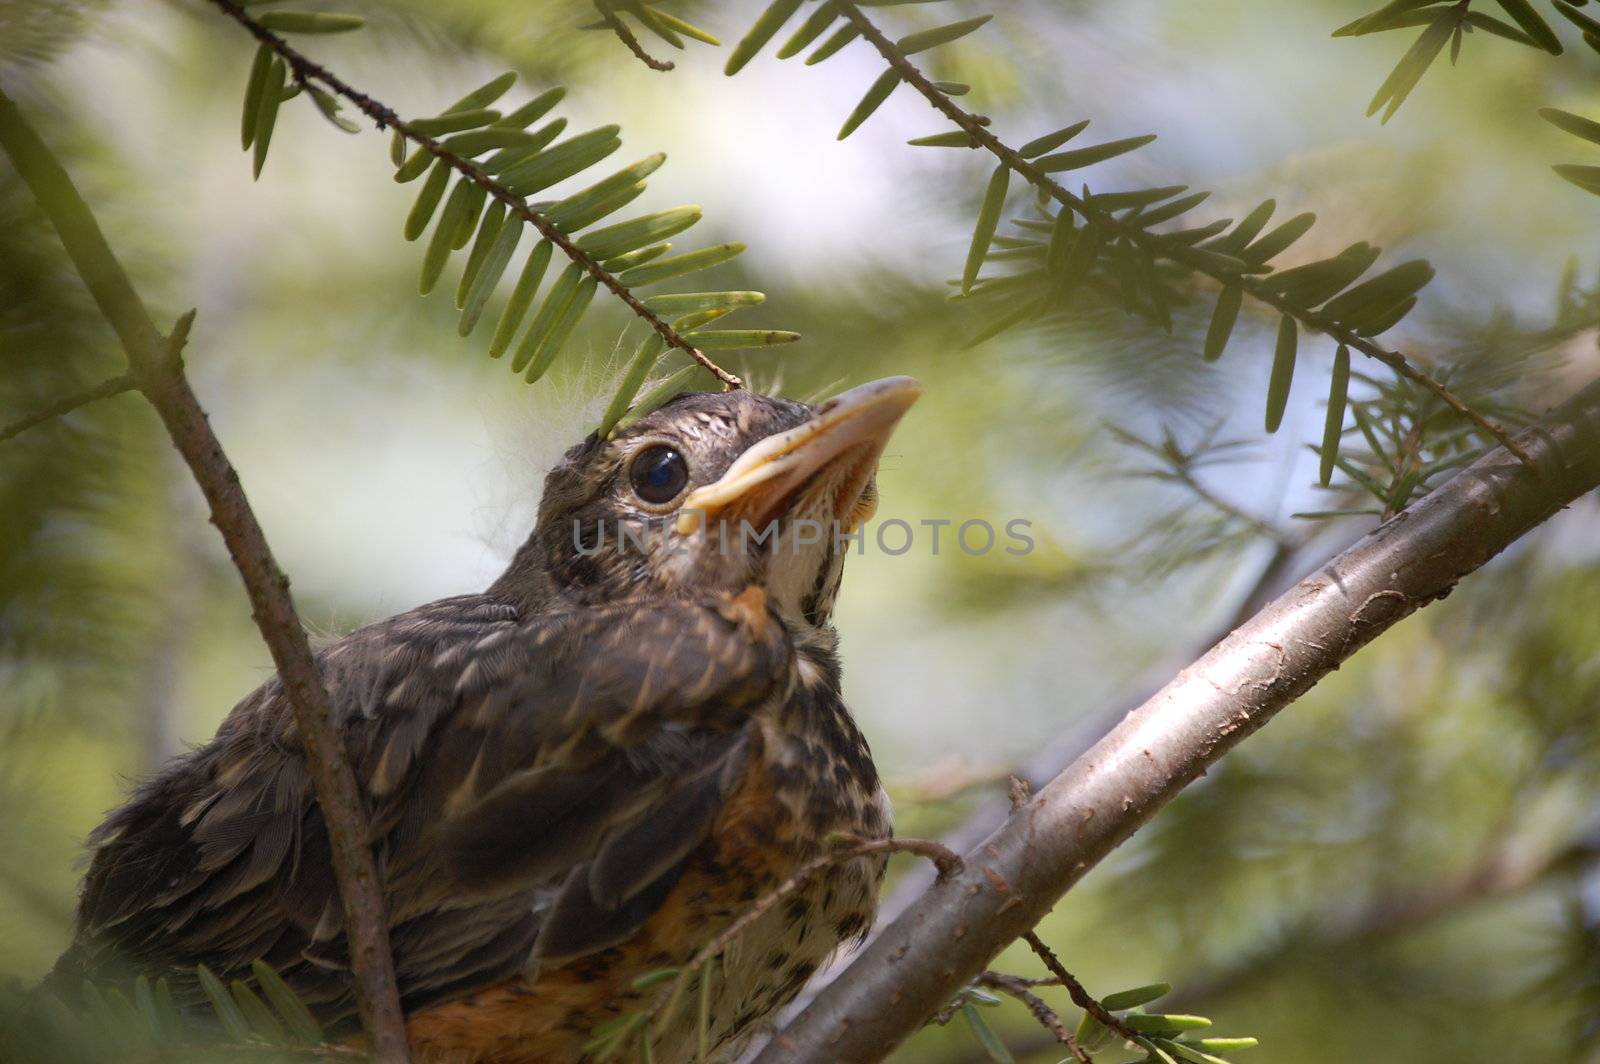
(178, 339)
(1018, 791)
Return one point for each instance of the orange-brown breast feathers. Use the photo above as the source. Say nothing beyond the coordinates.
(547, 1018)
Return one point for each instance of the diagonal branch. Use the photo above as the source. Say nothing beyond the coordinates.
(1013, 877)
(306, 70)
(1075, 990)
(1495, 878)
(1047, 1017)
(123, 382)
(1286, 564)
(1147, 242)
(156, 364)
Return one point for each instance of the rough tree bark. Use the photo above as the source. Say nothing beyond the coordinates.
(156, 368)
(1287, 562)
(1013, 878)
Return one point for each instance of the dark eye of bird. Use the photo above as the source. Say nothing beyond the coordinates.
(658, 474)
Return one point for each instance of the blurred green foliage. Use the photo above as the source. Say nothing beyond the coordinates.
(1404, 866)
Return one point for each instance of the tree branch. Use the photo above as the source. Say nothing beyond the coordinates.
(1287, 562)
(1075, 990)
(1046, 1016)
(1284, 564)
(156, 364)
(306, 70)
(980, 134)
(1381, 919)
(1012, 879)
(625, 35)
(104, 390)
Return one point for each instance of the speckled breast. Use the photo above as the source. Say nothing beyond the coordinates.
(777, 819)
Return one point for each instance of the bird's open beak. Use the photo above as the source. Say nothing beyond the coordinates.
(842, 443)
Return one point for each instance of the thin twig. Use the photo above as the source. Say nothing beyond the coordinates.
(1180, 466)
(847, 848)
(1080, 997)
(976, 129)
(269, 1052)
(625, 35)
(1384, 919)
(1503, 871)
(156, 362)
(1254, 522)
(1035, 980)
(1018, 988)
(307, 70)
(123, 382)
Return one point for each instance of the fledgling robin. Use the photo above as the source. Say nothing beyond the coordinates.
(576, 778)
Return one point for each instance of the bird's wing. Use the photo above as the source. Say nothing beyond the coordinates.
(534, 787)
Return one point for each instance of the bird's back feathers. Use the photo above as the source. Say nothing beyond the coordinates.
(534, 786)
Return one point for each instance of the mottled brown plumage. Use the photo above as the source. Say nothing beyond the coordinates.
(578, 777)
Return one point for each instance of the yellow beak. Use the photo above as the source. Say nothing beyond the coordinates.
(846, 437)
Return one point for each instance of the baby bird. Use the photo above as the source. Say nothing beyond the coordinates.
(576, 778)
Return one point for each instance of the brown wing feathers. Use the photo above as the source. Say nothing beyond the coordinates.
(536, 781)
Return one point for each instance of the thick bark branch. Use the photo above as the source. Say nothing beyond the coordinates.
(157, 367)
(1012, 879)
(1285, 563)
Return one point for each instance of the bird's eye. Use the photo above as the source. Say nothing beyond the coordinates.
(658, 474)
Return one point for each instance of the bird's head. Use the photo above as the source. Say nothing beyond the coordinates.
(714, 492)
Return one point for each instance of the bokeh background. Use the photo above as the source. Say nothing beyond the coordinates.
(1404, 866)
